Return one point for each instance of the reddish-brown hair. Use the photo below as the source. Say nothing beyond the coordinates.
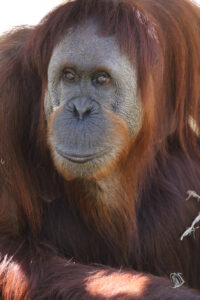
(162, 40)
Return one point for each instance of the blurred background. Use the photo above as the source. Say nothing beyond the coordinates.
(21, 12)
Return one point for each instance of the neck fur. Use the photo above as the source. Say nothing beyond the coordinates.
(106, 207)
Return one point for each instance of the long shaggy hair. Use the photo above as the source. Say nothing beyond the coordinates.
(162, 40)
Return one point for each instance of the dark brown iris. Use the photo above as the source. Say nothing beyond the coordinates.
(102, 79)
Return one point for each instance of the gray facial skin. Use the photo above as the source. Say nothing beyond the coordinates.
(90, 82)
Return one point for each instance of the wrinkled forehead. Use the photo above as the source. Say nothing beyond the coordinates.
(84, 45)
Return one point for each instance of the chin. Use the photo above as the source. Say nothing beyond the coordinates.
(94, 166)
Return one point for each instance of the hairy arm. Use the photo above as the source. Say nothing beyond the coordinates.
(30, 271)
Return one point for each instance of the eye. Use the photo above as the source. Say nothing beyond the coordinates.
(69, 75)
(102, 78)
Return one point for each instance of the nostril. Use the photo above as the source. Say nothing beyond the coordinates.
(75, 112)
(81, 112)
(88, 111)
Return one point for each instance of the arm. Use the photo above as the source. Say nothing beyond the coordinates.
(37, 272)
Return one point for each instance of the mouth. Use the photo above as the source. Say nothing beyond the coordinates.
(80, 158)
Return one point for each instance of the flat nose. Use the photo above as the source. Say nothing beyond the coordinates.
(81, 108)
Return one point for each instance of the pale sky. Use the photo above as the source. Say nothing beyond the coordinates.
(21, 12)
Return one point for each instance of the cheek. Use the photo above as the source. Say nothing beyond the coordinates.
(133, 116)
(51, 101)
(54, 95)
(130, 107)
(48, 108)
(120, 139)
